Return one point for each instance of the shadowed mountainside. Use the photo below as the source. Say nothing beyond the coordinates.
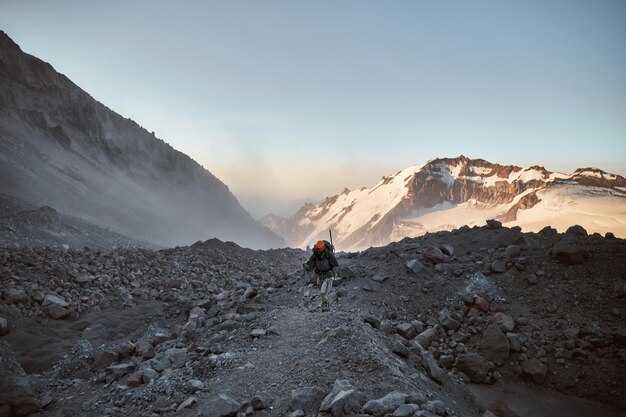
(60, 147)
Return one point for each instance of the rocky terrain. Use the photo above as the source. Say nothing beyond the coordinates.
(214, 329)
(25, 225)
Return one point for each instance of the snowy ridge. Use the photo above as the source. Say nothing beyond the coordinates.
(448, 193)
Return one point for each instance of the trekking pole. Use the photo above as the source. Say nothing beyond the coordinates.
(331, 239)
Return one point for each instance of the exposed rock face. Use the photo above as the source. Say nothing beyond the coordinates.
(392, 209)
(60, 147)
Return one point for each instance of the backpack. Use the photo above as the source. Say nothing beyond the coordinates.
(329, 246)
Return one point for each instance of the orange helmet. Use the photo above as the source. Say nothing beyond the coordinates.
(319, 246)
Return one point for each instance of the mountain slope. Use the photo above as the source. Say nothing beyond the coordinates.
(60, 147)
(448, 193)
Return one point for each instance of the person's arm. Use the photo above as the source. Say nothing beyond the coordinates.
(308, 265)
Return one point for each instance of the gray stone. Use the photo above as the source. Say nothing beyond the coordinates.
(535, 369)
(447, 249)
(4, 326)
(406, 410)
(406, 330)
(569, 252)
(433, 254)
(514, 341)
(493, 224)
(307, 399)
(447, 321)
(506, 323)
(219, 405)
(257, 333)
(498, 266)
(343, 400)
(513, 251)
(15, 296)
(195, 385)
(474, 366)
(577, 231)
(433, 370)
(188, 403)
(494, 345)
(387, 404)
(415, 266)
(149, 374)
(16, 392)
(426, 337)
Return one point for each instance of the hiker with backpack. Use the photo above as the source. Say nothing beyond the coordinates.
(326, 268)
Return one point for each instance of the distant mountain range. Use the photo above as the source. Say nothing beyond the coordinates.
(448, 193)
(61, 148)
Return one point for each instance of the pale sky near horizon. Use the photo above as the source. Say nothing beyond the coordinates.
(293, 99)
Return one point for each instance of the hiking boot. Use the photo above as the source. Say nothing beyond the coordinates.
(325, 306)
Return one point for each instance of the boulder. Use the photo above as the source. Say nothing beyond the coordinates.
(493, 224)
(406, 330)
(474, 366)
(447, 249)
(535, 369)
(569, 252)
(414, 265)
(506, 323)
(343, 399)
(494, 345)
(387, 404)
(498, 266)
(15, 296)
(426, 337)
(577, 231)
(433, 254)
(447, 321)
(4, 326)
(513, 251)
(219, 405)
(16, 393)
(307, 399)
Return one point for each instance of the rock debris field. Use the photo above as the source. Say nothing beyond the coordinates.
(217, 330)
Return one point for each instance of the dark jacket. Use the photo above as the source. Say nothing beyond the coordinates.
(323, 264)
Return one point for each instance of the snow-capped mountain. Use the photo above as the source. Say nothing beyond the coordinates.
(447, 193)
(59, 147)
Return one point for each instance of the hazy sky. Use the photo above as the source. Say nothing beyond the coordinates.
(299, 99)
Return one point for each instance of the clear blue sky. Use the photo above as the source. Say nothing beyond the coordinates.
(271, 96)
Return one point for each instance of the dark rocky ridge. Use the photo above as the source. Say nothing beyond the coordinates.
(215, 327)
(61, 148)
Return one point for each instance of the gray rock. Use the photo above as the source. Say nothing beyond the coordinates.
(447, 249)
(577, 231)
(387, 404)
(15, 296)
(535, 369)
(188, 403)
(195, 385)
(514, 341)
(16, 392)
(406, 330)
(447, 321)
(371, 286)
(498, 266)
(493, 224)
(494, 345)
(343, 400)
(433, 370)
(307, 399)
(513, 251)
(426, 337)
(4, 326)
(99, 331)
(506, 323)
(415, 266)
(433, 254)
(569, 252)
(219, 405)
(406, 410)
(474, 366)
